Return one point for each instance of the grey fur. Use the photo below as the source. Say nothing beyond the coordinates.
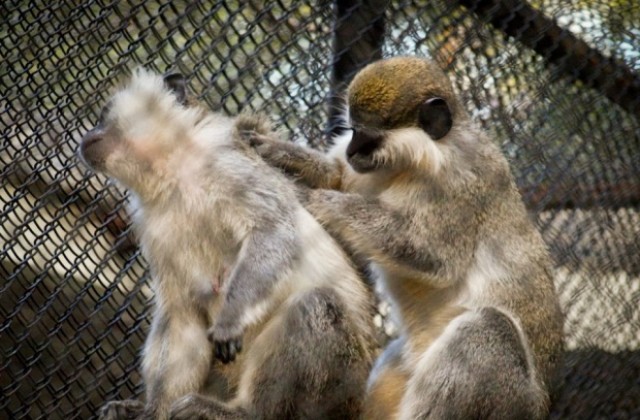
(235, 259)
(466, 268)
(391, 357)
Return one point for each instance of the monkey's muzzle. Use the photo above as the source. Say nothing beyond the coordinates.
(93, 148)
(361, 148)
(364, 143)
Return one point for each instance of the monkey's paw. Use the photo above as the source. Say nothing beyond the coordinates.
(275, 152)
(227, 342)
(116, 410)
(255, 139)
(194, 406)
(187, 407)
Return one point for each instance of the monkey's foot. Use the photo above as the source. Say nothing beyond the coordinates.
(120, 410)
(194, 406)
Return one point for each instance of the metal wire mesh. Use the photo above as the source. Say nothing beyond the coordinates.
(75, 296)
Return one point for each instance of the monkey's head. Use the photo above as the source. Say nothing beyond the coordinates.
(402, 111)
(141, 126)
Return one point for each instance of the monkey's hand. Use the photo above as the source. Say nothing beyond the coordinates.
(271, 149)
(194, 406)
(117, 410)
(308, 166)
(227, 340)
(276, 153)
(256, 139)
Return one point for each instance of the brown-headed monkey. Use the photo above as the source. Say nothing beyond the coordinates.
(423, 193)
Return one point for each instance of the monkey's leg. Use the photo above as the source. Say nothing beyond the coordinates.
(309, 166)
(176, 360)
(386, 384)
(308, 362)
(125, 409)
(318, 366)
(199, 407)
(477, 368)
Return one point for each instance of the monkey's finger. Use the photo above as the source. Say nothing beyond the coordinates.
(232, 351)
(247, 134)
(255, 139)
(224, 352)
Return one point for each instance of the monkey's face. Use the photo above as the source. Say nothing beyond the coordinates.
(118, 147)
(138, 130)
(401, 111)
(104, 145)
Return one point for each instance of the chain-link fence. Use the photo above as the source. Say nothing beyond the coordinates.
(555, 81)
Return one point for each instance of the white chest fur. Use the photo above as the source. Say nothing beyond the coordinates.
(189, 248)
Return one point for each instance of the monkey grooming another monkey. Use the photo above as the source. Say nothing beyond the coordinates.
(429, 199)
(291, 311)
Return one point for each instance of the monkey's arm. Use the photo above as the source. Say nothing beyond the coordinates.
(387, 236)
(309, 166)
(266, 254)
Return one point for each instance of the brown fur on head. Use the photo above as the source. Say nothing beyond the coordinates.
(404, 115)
(386, 93)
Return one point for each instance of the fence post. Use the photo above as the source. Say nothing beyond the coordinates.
(358, 35)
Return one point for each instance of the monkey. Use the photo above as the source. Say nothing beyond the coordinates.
(258, 313)
(431, 201)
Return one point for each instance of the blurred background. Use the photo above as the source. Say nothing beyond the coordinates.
(556, 83)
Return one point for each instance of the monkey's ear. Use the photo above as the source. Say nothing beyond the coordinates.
(177, 84)
(435, 117)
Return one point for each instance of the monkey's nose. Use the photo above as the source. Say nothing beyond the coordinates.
(91, 138)
(364, 143)
(92, 148)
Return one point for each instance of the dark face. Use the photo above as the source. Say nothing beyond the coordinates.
(97, 144)
(432, 116)
(396, 105)
(364, 142)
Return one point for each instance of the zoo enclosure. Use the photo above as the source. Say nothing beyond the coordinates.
(555, 82)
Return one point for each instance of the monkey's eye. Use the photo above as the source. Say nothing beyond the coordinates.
(434, 116)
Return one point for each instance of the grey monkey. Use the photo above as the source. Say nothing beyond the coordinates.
(236, 260)
(431, 201)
